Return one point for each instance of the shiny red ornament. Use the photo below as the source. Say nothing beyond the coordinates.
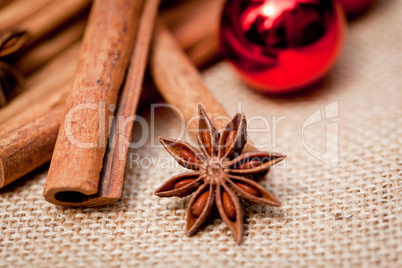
(354, 8)
(279, 46)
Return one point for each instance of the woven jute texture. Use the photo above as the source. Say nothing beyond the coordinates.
(340, 186)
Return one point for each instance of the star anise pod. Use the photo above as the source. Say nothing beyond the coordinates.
(221, 174)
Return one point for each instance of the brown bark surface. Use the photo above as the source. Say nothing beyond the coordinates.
(78, 156)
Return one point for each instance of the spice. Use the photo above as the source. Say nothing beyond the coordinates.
(11, 41)
(16, 11)
(29, 124)
(220, 174)
(85, 177)
(114, 163)
(197, 36)
(188, 24)
(204, 52)
(53, 78)
(34, 129)
(38, 24)
(75, 168)
(29, 146)
(45, 51)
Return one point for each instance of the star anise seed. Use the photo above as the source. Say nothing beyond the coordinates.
(221, 174)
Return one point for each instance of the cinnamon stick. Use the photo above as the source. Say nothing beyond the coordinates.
(56, 75)
(192, 21)
(4, 3)
(195, 34)
(205, 51)
(198, 23)
(16, 11)
(38, 108)
(179, 82)
(29, 124)
(39, 24)
(12, 37)
(78, 156)
(47, 71)
(12, 40)
(19, 158)
(29, 146)
(116, 156)
(27, 139)
(48, 97)
(47, 50)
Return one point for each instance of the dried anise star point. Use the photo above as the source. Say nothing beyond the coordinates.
(221, 174)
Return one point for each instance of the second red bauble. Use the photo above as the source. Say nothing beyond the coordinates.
(280, 46)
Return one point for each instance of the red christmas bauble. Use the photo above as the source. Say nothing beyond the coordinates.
(354, 8)
(281, 45)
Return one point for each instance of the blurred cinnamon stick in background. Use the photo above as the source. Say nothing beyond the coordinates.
(205, 52)
(49, 48)
(29, 146)
(52, 77)
(39, 23)
(44, 84)
(15, 11)
(30, 61)
(4, 3)
(195, 26)
(30, 123)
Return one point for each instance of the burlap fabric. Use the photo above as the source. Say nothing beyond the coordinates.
(334, 214)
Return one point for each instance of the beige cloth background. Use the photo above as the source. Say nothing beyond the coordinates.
(343, 216)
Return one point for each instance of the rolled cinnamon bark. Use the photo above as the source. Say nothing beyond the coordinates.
(196, 35)
(4, 3)
(29, 124)
(29, 146)
(12, 40)
(39, 24)
(25, 159)
(16, 11)
(112, 174)
(54, 77)
(80, 148)
(204, 52)
(44, 105)
(47, 50)
(47, 72)
(188, 22)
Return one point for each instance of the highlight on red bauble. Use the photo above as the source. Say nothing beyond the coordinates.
(353, 8)
(279, 46)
